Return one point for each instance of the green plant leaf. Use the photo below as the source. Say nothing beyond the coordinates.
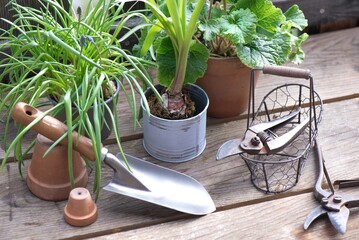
(150, 37)
(239, 26)
(265, 52)
(210, 29)
(297, 56)
(196, 63)
(296, 17)
(269, 17)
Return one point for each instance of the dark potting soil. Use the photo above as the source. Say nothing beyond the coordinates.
(158, 110)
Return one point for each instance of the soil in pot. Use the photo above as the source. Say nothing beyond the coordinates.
(158, 110)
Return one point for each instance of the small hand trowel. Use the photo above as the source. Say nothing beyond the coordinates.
(145, 181)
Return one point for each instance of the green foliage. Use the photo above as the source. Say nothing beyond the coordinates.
(254, 30)
(176, 54)
(196, 63)
(74, 59)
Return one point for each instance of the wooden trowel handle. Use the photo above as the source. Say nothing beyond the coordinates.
(51, 128)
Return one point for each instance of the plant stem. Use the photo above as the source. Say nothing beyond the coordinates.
(210, 9)
(183, 48)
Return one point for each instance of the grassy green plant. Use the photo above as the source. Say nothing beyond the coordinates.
(255, 31)
(75, 59)
(179, 57)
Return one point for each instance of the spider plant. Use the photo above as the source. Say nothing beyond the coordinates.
(75, 59)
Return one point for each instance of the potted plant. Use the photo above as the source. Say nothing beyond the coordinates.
(242, 34)
(175, 129)
(76, 58)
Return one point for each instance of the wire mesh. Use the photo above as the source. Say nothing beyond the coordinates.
(275, 173)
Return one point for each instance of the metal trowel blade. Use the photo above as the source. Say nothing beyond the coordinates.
(165, 187)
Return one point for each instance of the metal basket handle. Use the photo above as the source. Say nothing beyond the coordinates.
(282, 71)
(287, 71)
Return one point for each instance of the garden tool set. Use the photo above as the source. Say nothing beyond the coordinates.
(275, 146)
(334, 204)
(145, 181)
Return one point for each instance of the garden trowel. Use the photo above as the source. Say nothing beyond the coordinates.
(145, 181)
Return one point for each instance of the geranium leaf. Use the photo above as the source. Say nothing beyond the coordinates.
(239, 26)
(265, 52)
(269, 17)
(283, 46)
(296, 17)
(297, 56)
(258, 53)
(210, 29)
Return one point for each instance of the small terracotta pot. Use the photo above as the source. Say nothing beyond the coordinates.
(80, 209)
(48, 177)
(226, 82)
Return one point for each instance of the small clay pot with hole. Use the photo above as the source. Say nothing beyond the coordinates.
(48, 176)
(80, 209)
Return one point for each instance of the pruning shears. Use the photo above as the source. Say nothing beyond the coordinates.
(259, 140)
(332, 203)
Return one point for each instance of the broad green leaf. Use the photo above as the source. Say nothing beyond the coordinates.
(239, 26)
(166, 60)
(210, 29)
(283, 46)
(265, 52)
(269, 17)
(297, 56)
(296, 17)
(197, 62)
(258, 53)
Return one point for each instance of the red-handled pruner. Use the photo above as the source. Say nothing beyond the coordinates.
(334, 204)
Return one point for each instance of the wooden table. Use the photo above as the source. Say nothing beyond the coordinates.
(242, 211)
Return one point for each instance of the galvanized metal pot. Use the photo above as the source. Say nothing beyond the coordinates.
(177, 140)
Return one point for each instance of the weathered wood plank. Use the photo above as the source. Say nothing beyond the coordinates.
(227, 182)
(278, 219)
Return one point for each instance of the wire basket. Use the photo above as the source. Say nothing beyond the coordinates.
(279, 172)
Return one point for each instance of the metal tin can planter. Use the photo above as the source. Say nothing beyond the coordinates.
(177, 140)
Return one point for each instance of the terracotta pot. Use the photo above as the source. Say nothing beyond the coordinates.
(226, 83)
(48, 176)
(80, 209)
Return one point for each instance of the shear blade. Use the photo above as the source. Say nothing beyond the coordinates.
(314, 214)
(229, 148)
(339, 219)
